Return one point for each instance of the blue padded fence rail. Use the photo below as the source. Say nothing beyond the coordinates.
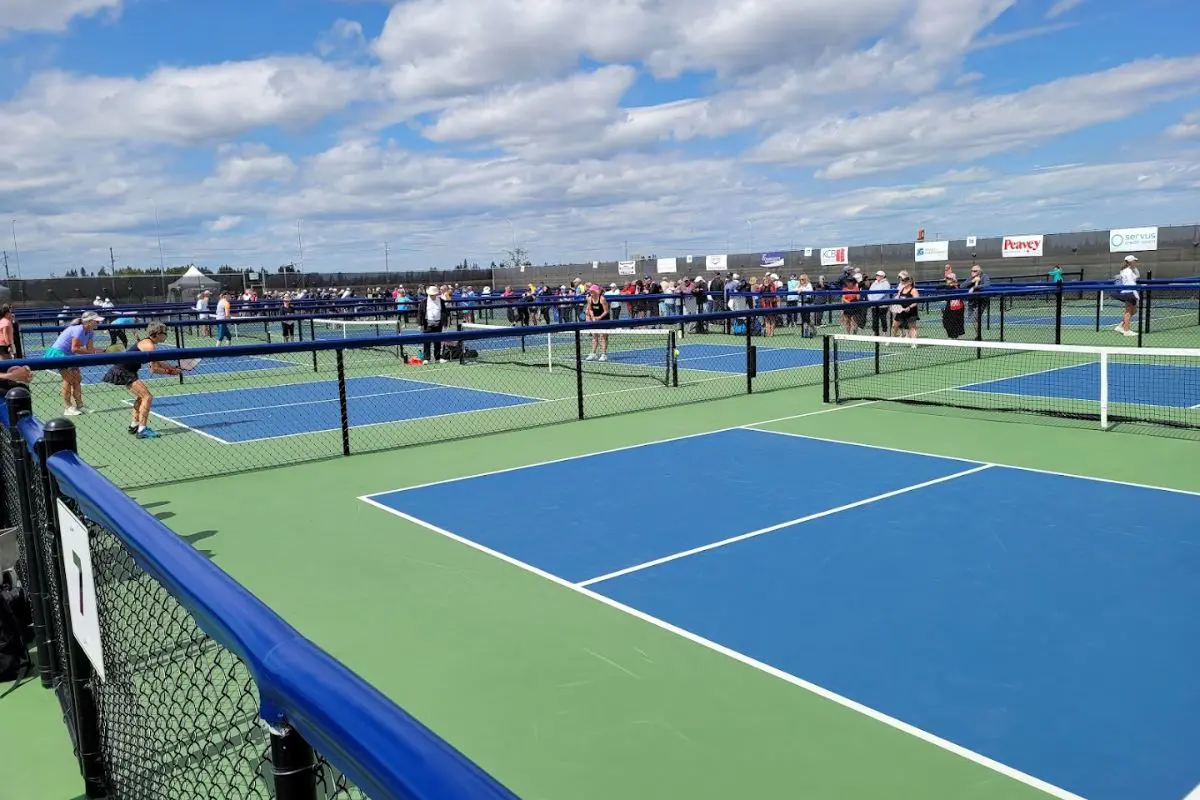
(386, 752)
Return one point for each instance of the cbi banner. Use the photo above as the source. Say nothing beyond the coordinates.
(1026, 246)
(835, 256)
(716, 263)
(931, 251)
(1132, 240)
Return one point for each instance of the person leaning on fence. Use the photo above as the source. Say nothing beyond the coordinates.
(75, 340)
(6, 331)
(127, 375)
(431, 316)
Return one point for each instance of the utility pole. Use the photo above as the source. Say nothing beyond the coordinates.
(386, 264)
(7, 277)
(16, 250)
(112, 270)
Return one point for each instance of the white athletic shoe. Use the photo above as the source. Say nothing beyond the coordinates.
(590, 357)
(1129, 333)
(71, 411)
(604, 357)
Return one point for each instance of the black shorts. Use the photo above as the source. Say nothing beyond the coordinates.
(119, 377)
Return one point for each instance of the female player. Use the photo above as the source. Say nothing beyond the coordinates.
(908, 315)
(127, 375)
(75, 340)
(289, 325)
(597, 310)
(6, 332)
(1128, 295)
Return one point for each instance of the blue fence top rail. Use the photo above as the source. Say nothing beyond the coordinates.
(382, 749)
(413, 339)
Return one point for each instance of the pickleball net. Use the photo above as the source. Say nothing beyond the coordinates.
(616, 352)
(333, 329)
(1109, 385)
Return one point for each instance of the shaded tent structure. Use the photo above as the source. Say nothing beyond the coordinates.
(190, 284)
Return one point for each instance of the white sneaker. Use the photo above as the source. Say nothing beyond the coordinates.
(71, 411)
(1118, 328)
(1129, 333)
(603, 357)
(85, 410)
(443, 361)
(590, 357)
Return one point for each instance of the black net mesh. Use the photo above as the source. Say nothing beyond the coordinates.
(12, 506)
(178, 713)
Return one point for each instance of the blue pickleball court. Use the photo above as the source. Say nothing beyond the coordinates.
(1163, 385)
(1043, 621)
(253, 414)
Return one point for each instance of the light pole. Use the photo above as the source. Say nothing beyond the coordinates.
(16, 250)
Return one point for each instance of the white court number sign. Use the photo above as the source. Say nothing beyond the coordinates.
(81, 585)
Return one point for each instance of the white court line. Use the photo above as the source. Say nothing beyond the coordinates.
(780, 526)
(1194, 794)
(304, 402)
(820, 691)
(935, 455)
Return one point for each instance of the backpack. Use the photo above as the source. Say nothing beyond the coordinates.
(16, 629)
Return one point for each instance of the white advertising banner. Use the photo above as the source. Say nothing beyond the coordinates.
(972, 241)
(808, 252)
(627, 268)
(1132, 240)
(835, 256)
(931, 251)
(716, 263)
(666, 265)
(1025, 246)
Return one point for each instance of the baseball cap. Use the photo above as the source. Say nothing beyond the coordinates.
(880, 274)
(1130, 259)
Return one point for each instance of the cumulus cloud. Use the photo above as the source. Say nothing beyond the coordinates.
(942, 127)
(49, 15)
(1187, 128)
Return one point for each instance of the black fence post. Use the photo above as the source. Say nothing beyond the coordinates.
(579, 372)
(293, 766)
(343, 406)
(18, 345)
(179, 345)
(673, 359)
(59, 436)
(1099, 305)
(312, 335)
(751, 355)
(20, 404)
(1058, 312)
(825, 369)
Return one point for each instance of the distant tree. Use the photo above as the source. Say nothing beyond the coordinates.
(102, 273)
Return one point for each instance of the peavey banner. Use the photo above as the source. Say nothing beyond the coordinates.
(1027, 246)
(835, 256)
(716, 263)
(1132, 240)
(773, 260)
(627, 268)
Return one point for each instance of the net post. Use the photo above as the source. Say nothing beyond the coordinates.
(20, 404)
(751, 356)
(579, 372)
(876, 349)
(1143, 320)
(1058, 311)
(312, 336)
(18, 344)
(833, 355)
(293, 765)
(179, 345)
(673, 359)
(1147, 298)
(58, 437)
(1104, 389)
(825, 368)
(1099, 306)
(343, 407)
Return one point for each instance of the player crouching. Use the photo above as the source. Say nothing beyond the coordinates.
(127, 375)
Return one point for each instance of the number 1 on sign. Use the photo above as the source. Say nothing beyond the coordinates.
(75, 559)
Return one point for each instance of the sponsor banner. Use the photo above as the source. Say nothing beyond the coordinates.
(972, 241)
(1132, 240)
(931, 251)
(627, 268)
(666, 265)
(770, 260)
(689, 259)
(716, 263)
(808, 252)
(1026, 246)
(835, 256)
(595, 265)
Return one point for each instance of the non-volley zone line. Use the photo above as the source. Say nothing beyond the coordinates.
(912, 574)
(248, 415)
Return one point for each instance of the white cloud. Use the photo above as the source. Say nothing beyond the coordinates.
(249, 164)
(1061, 7)
(224, 223)
(946, 127)
(1187, 128)
(49, 15)
(182, 105)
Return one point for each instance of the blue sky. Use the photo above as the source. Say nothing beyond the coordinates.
(446, 127)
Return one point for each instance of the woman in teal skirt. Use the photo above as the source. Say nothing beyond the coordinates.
(75, 340)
